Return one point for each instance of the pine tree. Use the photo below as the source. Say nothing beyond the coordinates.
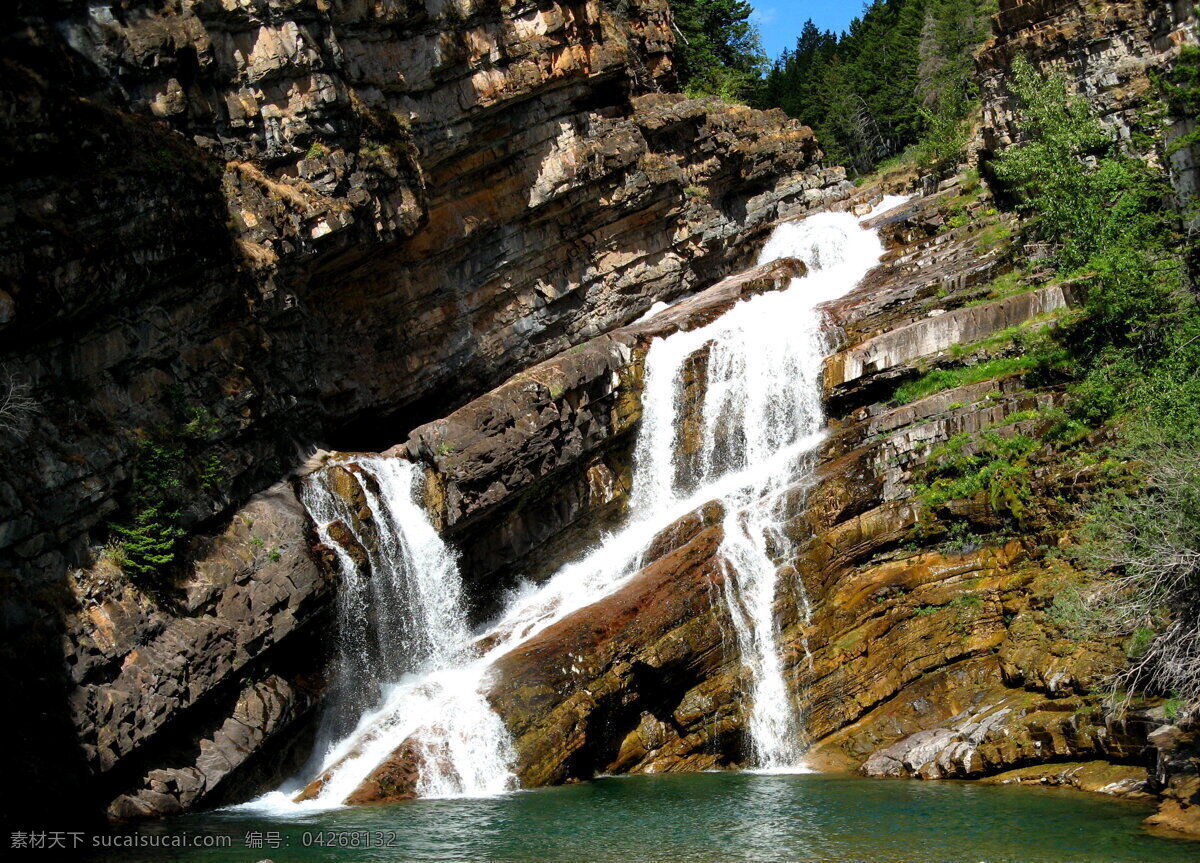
(717, 50)
(900, 72)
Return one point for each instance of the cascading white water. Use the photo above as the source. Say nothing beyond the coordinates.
(405, 611)
(761, 417)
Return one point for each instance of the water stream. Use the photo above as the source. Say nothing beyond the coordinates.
(409, 667)
(700, 818)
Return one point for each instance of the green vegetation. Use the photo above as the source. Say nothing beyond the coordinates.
(992, 236)
(961, 539)
(718, 51)
(945, 379)
(1027, 335)
(990, 463)
(900, 76)
(1147, 538)
(1128, 359)
(1008, 285)
(169, 469)
(1181, 92)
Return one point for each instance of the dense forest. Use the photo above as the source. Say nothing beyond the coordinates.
(899, 76)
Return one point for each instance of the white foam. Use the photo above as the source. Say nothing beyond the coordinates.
(761, 418)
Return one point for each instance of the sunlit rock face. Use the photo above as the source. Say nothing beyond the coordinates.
(909, 652)
(315, 219)
(1108, 53)
(432, 227)
(313, 222)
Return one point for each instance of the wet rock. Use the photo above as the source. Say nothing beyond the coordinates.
(324, 222)
(139, 665)
(532, 471)
(262, 711)
(1000, 733)
(393, 780)
(608, 687)
(637, 682)
(8, 308)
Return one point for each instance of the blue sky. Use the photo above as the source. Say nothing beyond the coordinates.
(780, 21)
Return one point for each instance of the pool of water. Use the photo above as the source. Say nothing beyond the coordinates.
(700, 818)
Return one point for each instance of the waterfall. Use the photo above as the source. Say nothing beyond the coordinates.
(762, 415)
(402, 610)
(409, 669)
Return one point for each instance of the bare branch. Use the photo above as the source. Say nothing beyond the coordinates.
(17, 406)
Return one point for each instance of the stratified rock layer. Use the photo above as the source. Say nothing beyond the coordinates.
(523, 477)
(307, 219)
(308, 223)
(639, 682)
(1108, 53)
(929, 651)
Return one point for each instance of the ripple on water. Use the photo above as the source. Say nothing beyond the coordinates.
(715, 818)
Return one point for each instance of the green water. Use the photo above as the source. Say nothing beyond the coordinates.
(711, 818)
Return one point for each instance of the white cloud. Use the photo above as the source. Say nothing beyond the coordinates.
(765, 16)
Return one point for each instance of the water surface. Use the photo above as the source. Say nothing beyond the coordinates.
(711, 818)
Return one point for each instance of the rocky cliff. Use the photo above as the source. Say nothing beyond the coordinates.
(932, 646)
(1109, 53)
(430, 230)
(240, 228)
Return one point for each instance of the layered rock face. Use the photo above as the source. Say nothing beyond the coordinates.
(641, 681)
(308, 222)
(932, 647)
(341, 215)
(210, 663)
(1108, 53)
(525, 476)
(342, 221)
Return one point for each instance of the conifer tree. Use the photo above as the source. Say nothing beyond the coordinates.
(717, 48)
(899, 73)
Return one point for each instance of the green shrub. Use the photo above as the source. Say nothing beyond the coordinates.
(1147, 541)
(1136, 348)
(967, 465)
(149, 540)
(947, 131)
(945, 379)
(992, 236)
(961, 539)
(1106, 210)
(1181, 90)
(168, 469)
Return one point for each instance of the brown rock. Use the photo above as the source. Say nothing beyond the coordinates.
(313, 227)
(395, 779)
